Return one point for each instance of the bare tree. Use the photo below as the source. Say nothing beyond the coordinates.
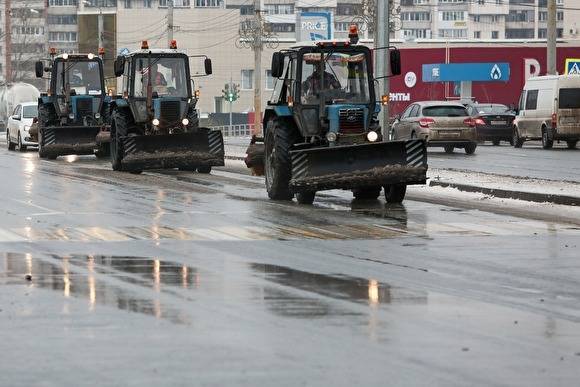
(27, 35)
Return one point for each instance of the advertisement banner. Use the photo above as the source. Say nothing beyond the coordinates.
(314, 26)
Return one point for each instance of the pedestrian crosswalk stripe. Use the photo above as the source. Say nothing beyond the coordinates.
(347, 231)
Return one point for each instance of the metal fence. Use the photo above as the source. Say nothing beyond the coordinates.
(244, 130)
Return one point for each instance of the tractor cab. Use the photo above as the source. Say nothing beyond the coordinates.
(157, 86)
(73, 112)
(154, 118)
(77, 88)
(329, 88)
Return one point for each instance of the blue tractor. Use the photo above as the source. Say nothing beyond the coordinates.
(321, 127)
(73, 113)
(154, 121)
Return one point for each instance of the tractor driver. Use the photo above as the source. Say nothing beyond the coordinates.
(157, 78)
(312, 84)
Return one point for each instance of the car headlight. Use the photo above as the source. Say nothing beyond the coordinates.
(97, 115)
(372, 136)
(185, 122)
(155, 122)
(71, 116)
(331, 136)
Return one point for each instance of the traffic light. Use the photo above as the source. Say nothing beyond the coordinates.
(231, 92)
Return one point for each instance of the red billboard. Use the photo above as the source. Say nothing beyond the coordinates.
(524, 62)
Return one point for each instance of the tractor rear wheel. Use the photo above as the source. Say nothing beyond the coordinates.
(204, 169)
(280, 136)
(367, 193)
(119, 128)
(395, 193)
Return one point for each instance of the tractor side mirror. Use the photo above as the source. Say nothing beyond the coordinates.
(277, 64)
(207, 66)
(39, 69)
(395, 61)
(119, 65)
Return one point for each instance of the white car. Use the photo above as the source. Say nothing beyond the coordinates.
(19, 124)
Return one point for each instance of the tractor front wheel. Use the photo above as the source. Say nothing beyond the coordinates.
(119, 128)
(280, 136)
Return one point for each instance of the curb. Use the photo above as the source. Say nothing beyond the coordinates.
(508, 194)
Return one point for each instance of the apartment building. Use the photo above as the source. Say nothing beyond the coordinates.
(483, 19)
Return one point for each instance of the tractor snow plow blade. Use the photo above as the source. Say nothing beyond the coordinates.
(255, 156)
(354, 166)
(70, 140)
(186, 150)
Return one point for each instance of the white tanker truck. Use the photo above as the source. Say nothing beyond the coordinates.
(13, 95)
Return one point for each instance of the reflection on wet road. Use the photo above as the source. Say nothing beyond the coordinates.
(174, 278)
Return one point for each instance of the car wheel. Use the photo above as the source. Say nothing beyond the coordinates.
(571, 144)
(21, 148)
(547, 143)
(517, 141)
(470, 148)
(495, 142)
(448, 149)
(11, 145)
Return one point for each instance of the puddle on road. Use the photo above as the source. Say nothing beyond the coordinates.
(82, 277)
(336, 287)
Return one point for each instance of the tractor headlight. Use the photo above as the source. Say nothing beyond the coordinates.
(90, 56)
(65, 56)
(372, 136)
(331, 136)
(155, 122)
(185, 122)
(71, 116)
(97, 115)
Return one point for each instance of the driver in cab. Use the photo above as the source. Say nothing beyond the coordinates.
(312, 84)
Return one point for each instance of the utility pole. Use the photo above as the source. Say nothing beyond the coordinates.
(382, 31)
(8, 41)
(169, 22)
(101, 28)
(258, 6)
(552, 36)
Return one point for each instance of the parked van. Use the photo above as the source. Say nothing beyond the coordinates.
(549, 110)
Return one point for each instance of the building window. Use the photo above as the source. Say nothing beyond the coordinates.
(415, 16)
(128, 4)
(452, 15)
(62, 19)
(62, 3)
(453, 33)
(283, 27)
(495, 34)
(348, 9)
(476, 34)
(28, 30)
(269, 80)
(247, 79)
(176, 3)
(62, 36)
(279, 9)
(476, 18)
(147, 3)
(208, 3)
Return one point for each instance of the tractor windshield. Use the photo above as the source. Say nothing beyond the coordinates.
(168, 76)
(83, 77)
(344, 79)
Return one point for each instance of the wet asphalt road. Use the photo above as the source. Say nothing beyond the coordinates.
(174, 278)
